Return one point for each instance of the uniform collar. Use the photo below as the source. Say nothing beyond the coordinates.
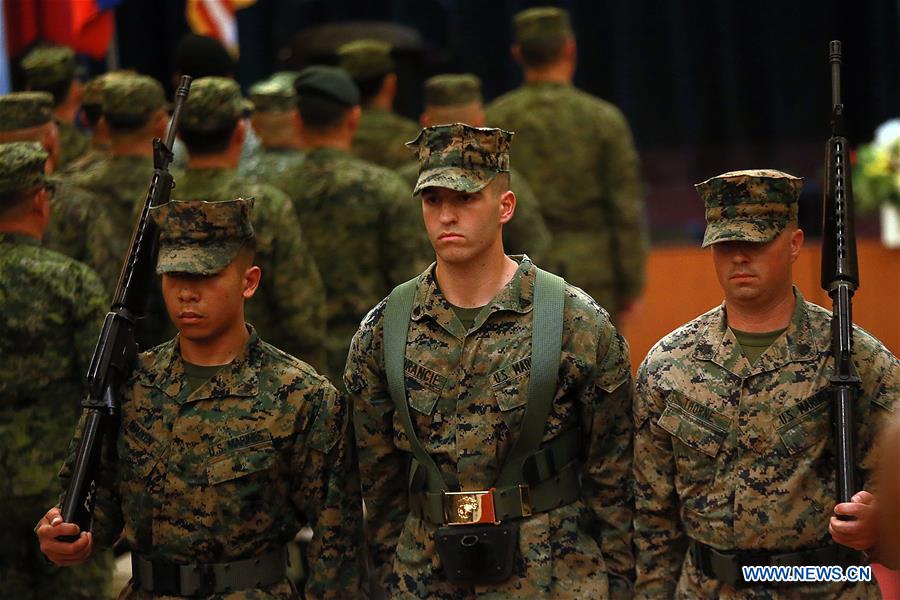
(516, 296)
(19, 238)
(326, 152)
(717, 343)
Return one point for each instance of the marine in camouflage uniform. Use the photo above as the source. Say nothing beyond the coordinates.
(578, 154)
(289, 308)
(468, 391)
(226, 464)
(362, 235)
(457, 99)
(737, 454)
(382, 133)
(51, 310)
(52, 69)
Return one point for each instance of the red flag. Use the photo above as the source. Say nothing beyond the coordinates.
(81, 24)
(216, 19)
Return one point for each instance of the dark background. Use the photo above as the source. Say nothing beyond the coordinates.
(707, 86)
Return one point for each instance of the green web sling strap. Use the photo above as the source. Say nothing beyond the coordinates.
(534, 477)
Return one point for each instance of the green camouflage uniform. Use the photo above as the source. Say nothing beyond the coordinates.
(45, 68)
(739, 456)
(578, 155)
(234, 468)
(51, 310)
(468, 392)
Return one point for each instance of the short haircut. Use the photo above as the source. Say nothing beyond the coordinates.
(369, 88)
(319, 113)
(11, 202)
(246, 253)
(541, 52)
(59, 91)
(208, 142)
(92, 113)
(500, 183)
(127, 125)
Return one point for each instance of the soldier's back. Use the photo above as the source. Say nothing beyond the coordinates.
(72, 143)
(272, 166)
(382, 136)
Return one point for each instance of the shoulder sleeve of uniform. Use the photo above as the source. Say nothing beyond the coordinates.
(329, 421)
(613, 365)
(878, 368)
(366, 354)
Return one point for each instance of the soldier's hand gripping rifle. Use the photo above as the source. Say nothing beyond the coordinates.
(116, 349)
(840, 278)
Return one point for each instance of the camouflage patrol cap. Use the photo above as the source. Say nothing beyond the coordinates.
(200, 237)
(48, 66)
(366, 59)
(542, 22)
(21, 166)
(452, 90)
(460, 157)
(131, 98)
(214, 103)
(749, 206)
(21, 110)
(92, 95)
(330, 83)
(276, 93)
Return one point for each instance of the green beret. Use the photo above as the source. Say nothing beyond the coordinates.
(748, 206)
(460, 157)
(276, 93)
(21, 110)
(46, 67)
(214, 103)
(21, 166)
(199, 237)
(131, 98)
(542, 22)
(366, 59)
(327, 82)
(452, 90)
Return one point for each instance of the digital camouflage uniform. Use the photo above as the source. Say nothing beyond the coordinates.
(382, 134)
(739, 456)
(234, 468)
(578, 154)
(468, 391)
(47, 68)
(51, 310)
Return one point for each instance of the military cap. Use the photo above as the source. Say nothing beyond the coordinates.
(276, 93)
(214, 103)
(542, 22)
(452, 90)
(366, 59)
(21, 166)
(92, 94)
(130, 98)
(201, 237)
(460, 157)
(749, 206)
(327, 82)
(48, 66)
(21, 110)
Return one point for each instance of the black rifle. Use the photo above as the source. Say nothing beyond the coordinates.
(840, 278)
(116, 349)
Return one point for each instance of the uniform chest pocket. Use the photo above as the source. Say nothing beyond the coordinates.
(240, 463)
(423, 386)
(510, 384)
(138, 451)
(704, 432)
(805, 423)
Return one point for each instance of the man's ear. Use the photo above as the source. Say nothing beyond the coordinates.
(389, 85)
(353, 117)
(240, 132)
(797, 237)
(516, 51)
(507, 206)
(252, 277)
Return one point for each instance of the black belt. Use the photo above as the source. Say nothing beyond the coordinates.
(204, 579)
(726, 567)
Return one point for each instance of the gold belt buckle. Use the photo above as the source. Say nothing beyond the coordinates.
(470, 508)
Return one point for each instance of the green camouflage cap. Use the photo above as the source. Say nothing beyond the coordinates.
(93, 89)
(214, 103)
(21, 166)
(276, 93)
(452, 90)
(366, 59)
(460, 157)
(749, 206)
(201, 237)
(131, 98)
(46, 67)
(327, 82)
(542, 22)
(21, 110)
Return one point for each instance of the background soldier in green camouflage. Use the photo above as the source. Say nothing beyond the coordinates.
(576, 151)
(289, 309)
(382, 133)
(468, 366)
(76, 229)
(733, 450)
(51, 310)
(361, 232)
(275, 123)
(52, 69)
(227, 445)
(457, 99)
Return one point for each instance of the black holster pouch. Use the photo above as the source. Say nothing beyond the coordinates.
(477, 553)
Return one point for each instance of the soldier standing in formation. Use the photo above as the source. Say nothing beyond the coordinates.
(228, 445)
(578, 155)
(733, 451)
(463, 388)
